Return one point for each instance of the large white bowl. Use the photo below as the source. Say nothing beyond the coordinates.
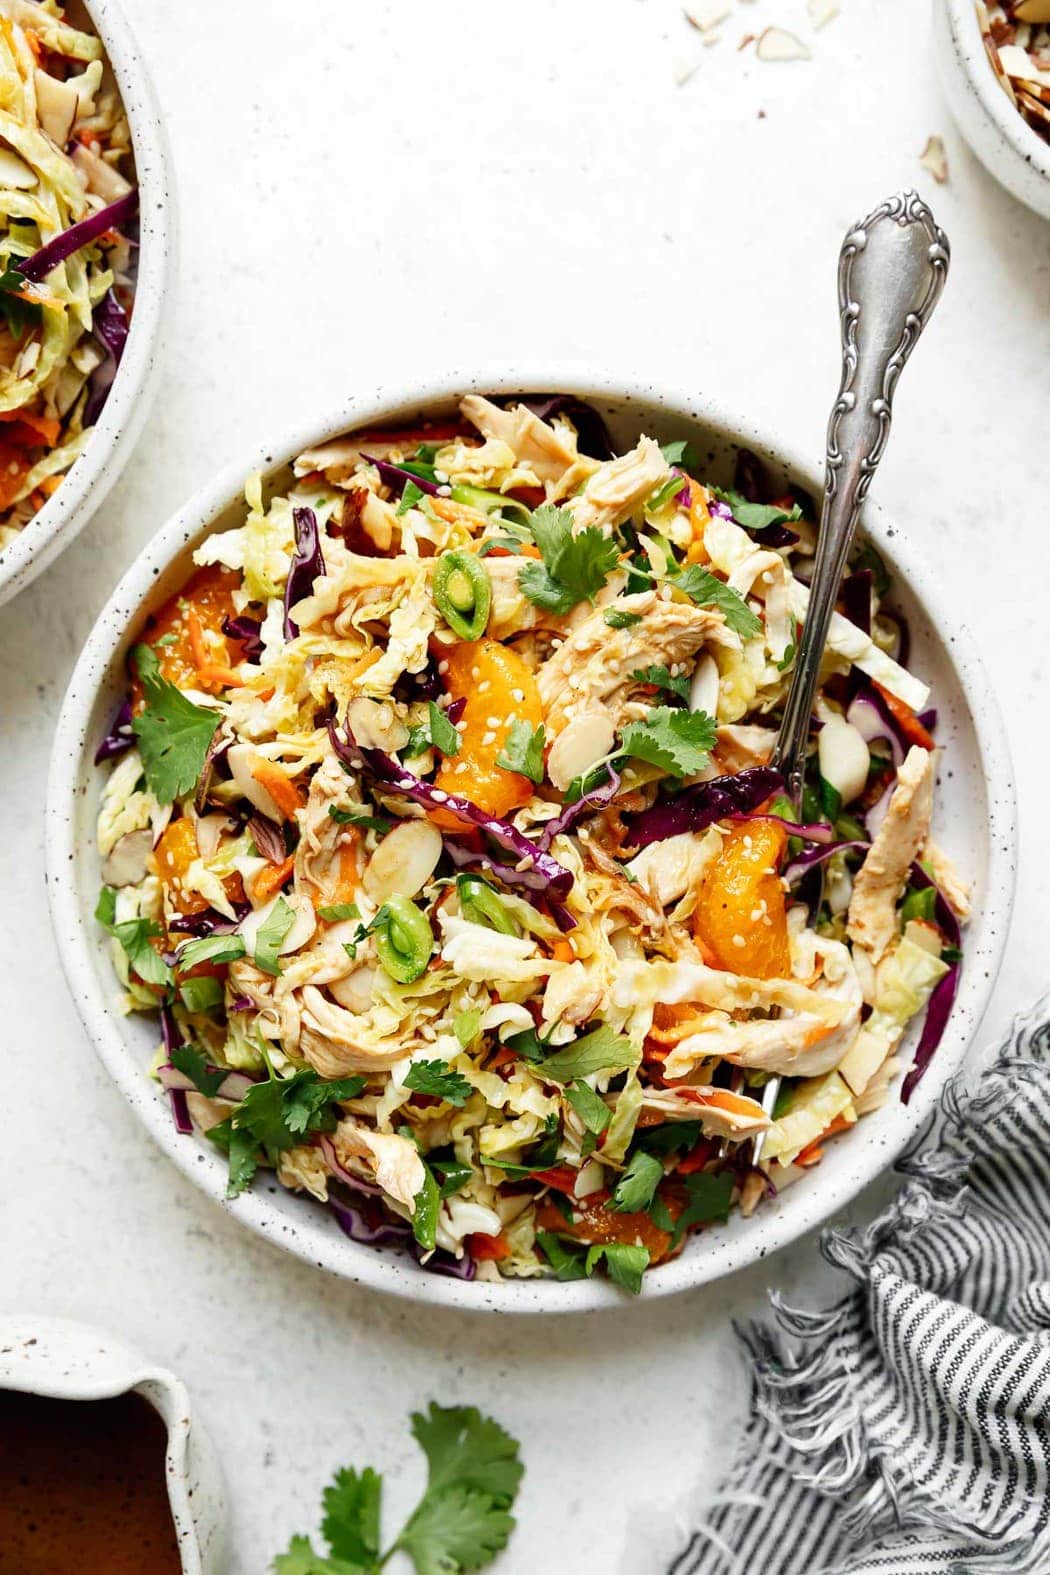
(975, 819)
(1001, 138)
(83, 489)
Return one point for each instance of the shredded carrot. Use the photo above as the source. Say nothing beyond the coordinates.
(504, 1056)
(272, 878)
(484, 1247)
(214, 676)
(47, 428)
(51, 484)
(561, 951)
(906, 719)
(815, 1150)
(526, 550)
(363, 663)
(279, 785)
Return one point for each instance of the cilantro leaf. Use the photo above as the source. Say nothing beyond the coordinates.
(637, 1186)
(270, 937)
(360, 817)
(174, 734)
(620, 618)
(467, 1026)
(300, 1559)
(602, 1050)
(624, 1263)
(278, 1114)
(191, 1061)
(661, 678)
(351, 1515)
(679, 742)
(339, 910)
(457, 1530)
(565, 1257)
(523, 750)
(435, 1078)
(135, 936)
(681, 453)
(574, 567)
(756, 516)
(707, 1201)
(16, 312)
(669, 1138)
(425, 1213)
(201, 995)
(589, 1106)
(707, 590)
(210, 948)
(465, 1448)
(443, 735)
(451, 1175)
(410, 499)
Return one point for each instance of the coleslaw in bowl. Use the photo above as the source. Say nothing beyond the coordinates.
(493, 950)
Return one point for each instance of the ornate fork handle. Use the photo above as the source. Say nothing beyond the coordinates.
(892, 269)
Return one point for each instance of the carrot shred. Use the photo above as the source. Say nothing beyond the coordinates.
(491, 1248)
(280, 787)
(272, 878)
(561, 951)
(905, 719)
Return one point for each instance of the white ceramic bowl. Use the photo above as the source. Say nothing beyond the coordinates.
(83, 489)
(1001, 138)
(72, 1361)
(975, 818)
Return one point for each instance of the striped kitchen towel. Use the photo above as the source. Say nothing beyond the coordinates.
(907, 1429)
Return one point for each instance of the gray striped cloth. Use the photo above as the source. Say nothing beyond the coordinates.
(907, 1429)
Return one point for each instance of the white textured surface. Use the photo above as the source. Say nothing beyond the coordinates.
(358, 200)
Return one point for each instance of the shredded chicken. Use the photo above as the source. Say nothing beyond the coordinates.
(326, 849)
(394, 1162)
(719, 1112)
(946, 877)
(549, 450)
(872, 920)
(619, 488)
(592, 668)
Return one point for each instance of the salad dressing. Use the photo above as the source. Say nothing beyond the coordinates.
(82, 1487)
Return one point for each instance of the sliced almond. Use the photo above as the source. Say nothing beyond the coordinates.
(821, 12)
(1020, 67)
(242, 759)
(376, 725)
(685, 68)
(703, 691)
(705, 14)
(403, 862)
(57, 104)
(934, 159)
(776, 43)
(579, 746)
(126, 863)
(15, 172)
(355, 991)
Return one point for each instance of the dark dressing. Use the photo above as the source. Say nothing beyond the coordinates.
(82, 1489)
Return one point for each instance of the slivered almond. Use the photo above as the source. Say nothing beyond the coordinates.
(706, 14)
(776, 43)
(821, 12)
(934, 159)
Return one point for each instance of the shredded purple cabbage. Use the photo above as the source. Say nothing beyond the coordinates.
(942, 999)
(209, 921)
(397, 477)
(809, 831)
(700, 806)
(928, 718)
(80, 234)
(541, 872)
(750, 477)
(597, 798)
(809, 858)
(354, 1222)
(871, 716)
(268, 838)
(442, 1262)
(180, 1111)
(249, 632)
(856, 598)
(465, 858)
(119, 737)
(169, 1030)
(111, 328)
(307, 564)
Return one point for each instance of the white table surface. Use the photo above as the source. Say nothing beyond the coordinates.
(368, 192)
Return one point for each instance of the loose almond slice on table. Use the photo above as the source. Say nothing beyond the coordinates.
(776, 43)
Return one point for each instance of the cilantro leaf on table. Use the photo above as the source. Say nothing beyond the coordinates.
(174, 734)
(459, 1525)
(523, 750)
(637, 1186)
(437, 1079)
(136, 937)
(574, 566)
(678, 742)
(707, 590)
(661, 678)
(270, 936)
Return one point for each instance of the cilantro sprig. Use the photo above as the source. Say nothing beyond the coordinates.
(523, 750)
(678, 742)
(136, 936)
(574, 567)
(572, 1260)
(460, 1524)
(756, 516)
(174, 734)
(437, 1079)
(707, 590)
(275, 1115)
(662, 678)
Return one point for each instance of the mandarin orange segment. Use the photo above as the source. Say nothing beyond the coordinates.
(172, 857)
(499, 688)
(192, 613)
(740, 920)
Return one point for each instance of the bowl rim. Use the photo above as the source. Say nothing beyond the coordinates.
(968, 46)
(313, 1239)
(90, 478)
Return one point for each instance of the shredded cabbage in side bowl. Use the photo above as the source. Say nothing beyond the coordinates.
(67, 204)
(440, 833)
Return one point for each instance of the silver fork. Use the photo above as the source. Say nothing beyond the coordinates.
(892, 269)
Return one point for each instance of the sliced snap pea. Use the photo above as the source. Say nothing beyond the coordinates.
(480, 904)
(404, 939)
(463, 594)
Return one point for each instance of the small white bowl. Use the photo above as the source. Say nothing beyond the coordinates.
(85, 486)
(1001, 138)
(72, 1361)
(975, 819)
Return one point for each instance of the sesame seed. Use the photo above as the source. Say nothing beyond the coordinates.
(482, 687)
(445, 491)
(488, 738)
(518, 695)
(739, 942)
(492, 721)
(442, 668)
(475, 673)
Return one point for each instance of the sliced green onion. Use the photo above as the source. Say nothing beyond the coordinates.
(463, 594)
(404, 939)
(480, 904)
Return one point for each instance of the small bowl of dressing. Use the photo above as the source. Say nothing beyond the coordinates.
(102, 1468)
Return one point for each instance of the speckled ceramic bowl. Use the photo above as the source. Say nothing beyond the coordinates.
(1001, 138)
(72, 1361)
(87, 483)
(975, 819)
